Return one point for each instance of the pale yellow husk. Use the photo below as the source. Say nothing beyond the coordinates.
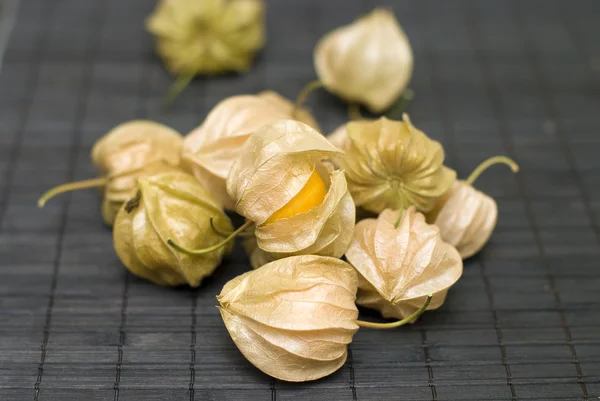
(210, 150)
(256, 256)
(399, 267)
(171, 206)
(272, 168)
(293, 318)
(392, 164)
(208, 36)
(369, 61)
(131, 150)
(466, 218)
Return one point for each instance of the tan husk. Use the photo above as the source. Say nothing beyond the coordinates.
(467, 217)
(208, 36)
(273, 167)
(391, 164)
(293, 318)
(369, 61)
(399, 267)
(170, 206)
(256, 256)
(131, 150)
(210, 150)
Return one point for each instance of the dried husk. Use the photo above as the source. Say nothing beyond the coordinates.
(272, 168)
(466, 218)
(256, 256)
(129, 151)
(392, 165)
(398, 267)
(369, 61)
(210, 150)
(293, 318)
(170, 206)
(208, 36)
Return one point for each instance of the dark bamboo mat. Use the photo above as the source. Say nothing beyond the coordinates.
(519, 78)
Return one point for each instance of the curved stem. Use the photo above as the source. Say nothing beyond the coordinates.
(490, 162)
(225, 234)
(71, 186)
(176, 88)
(303, 95)
(354, 112)
(398, 323)
(221, 244)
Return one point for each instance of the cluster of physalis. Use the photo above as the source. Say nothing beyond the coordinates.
(263, 157)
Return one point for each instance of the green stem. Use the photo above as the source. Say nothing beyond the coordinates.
(401, 104)
(354, 112)
(176, 88)
(398, 323)
(213, 248)
(71, 186)
(490, 162)
(303, 95)
(224, 233)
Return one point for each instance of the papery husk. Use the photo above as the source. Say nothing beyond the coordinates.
(131, 150)
(399, 267)
(339, 137)
(392, 164)
(210, 150)
(208, 36)
(170, 206)
(369, 61)
(256, 256)
(466, 218)
(273, 167)
(293, 318)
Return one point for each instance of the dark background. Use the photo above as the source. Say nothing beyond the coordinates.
(519, 78)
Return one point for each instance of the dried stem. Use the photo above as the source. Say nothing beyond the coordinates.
(221, 244)
(307, 90)
(490, 162)
(71, 186)
(398, 323)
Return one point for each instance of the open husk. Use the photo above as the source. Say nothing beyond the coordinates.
(275, 169)
(392, 165)
(398, 266)
(129, 151)
(209, 36)
(369, 61)
(168, 206)
(466, 216)
(210, 150)
(293, 318)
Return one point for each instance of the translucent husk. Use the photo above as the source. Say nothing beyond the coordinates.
(467, 217)
(273, 167)
(294, 318)
(210, 150)
(131, 150)
(401, 262)
(206, 37)
(391, 163)
(170, 206)
(369, 62)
